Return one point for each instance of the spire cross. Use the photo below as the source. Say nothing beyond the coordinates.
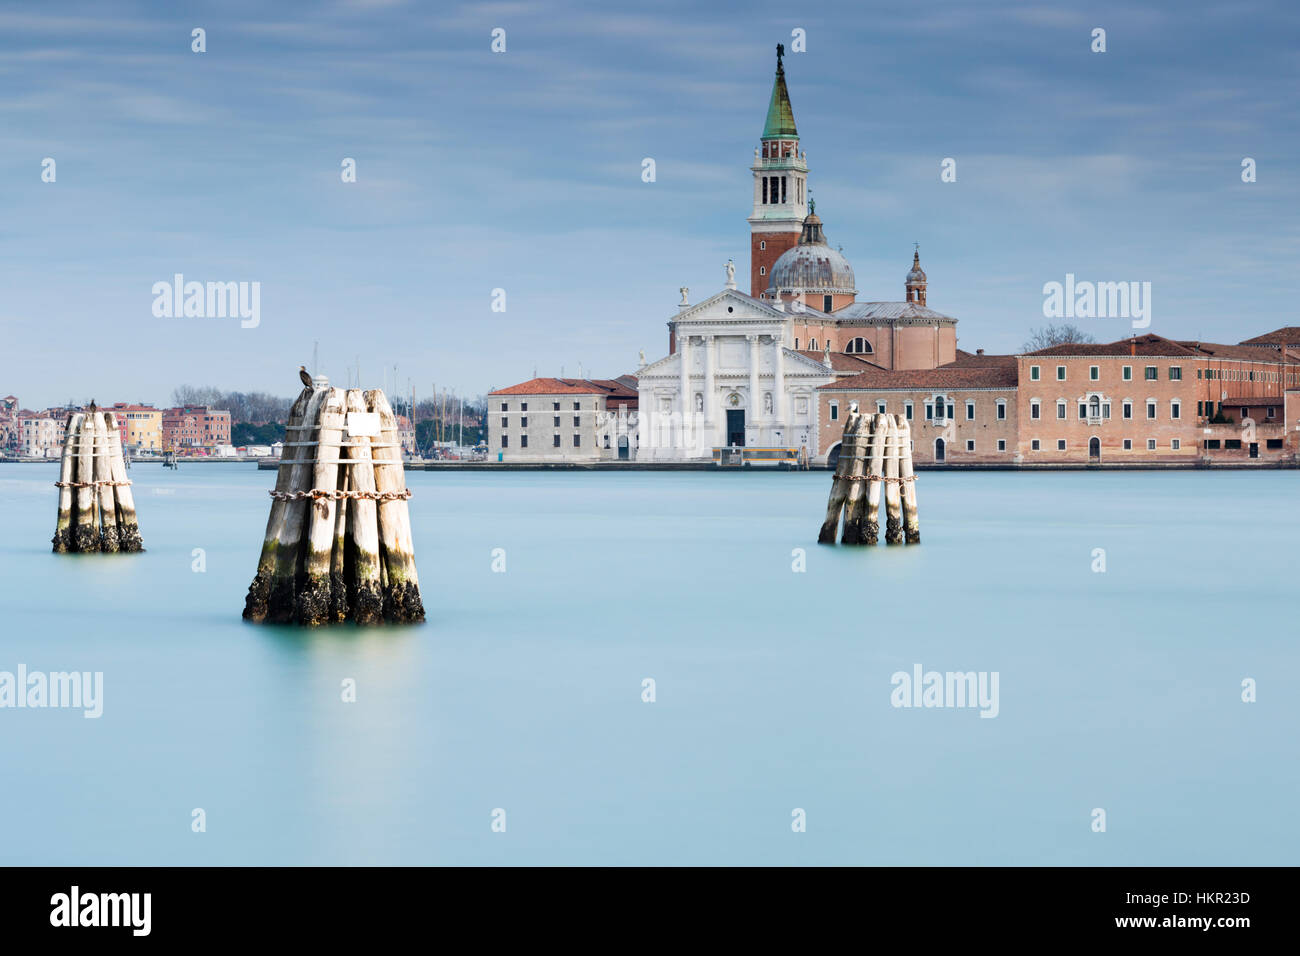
(780, 52)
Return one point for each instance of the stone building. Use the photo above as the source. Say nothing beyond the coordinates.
(563, 420)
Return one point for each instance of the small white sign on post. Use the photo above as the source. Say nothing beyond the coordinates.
(363, 424)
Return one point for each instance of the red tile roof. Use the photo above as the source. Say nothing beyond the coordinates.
(1137, 345)
(1245, 353)
(1255, 400)
(946, 376)
(976, 360)
(613, 389)
(1287, 335)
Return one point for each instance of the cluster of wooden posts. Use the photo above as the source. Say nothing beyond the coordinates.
(338, 542)
(96, 510)
(876, 451)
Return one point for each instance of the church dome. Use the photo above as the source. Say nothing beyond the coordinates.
(812, 265)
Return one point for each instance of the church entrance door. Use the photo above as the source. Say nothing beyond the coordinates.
(736, 427)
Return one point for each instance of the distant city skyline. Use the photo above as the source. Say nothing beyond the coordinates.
(521, 171)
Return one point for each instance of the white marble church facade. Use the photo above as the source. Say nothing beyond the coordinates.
(732, 380)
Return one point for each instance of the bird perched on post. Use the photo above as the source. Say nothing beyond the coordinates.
(302, 374)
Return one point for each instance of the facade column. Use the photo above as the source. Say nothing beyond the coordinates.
(755, 399)
(686, 401)
(779, 410)
(710, 413)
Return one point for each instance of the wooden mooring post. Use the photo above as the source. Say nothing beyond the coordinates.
(96, 510)
(338, 543)
(876, 450)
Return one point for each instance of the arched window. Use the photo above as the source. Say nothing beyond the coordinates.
(762, 270)
(858, 346)
(762, 243)
(812, 345)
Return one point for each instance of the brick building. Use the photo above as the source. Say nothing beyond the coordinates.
(1141, 399)
(193, 427)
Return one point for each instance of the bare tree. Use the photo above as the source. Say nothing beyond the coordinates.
(253, 407)
(1049, 335)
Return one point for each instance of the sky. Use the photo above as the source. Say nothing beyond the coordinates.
(521, 171)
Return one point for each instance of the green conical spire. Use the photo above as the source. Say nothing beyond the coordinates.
(780, 115)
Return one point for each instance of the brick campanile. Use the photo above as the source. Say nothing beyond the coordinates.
(780, 186)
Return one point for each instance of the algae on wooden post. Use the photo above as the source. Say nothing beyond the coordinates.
(63, 526)
(255, 604)
(401, 583)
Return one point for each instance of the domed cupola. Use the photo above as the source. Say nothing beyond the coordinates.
(811, 267)
(916, 280)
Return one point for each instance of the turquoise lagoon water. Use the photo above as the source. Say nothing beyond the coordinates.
(1118, 690)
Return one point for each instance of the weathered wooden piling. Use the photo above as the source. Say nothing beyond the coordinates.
(875, 450)
(840, 483)
(400, 581)
(96, 511)
(338, 542)
(854, 504)
(871, 534)
(893, 501)
(63, 526)
(259, 592)
(128, 526)
(313, 596)
(907, 482)
(365, 593)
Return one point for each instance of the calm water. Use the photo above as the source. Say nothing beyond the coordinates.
(1119, 690)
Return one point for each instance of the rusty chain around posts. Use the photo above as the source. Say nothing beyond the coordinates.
(90, 484)
(888, 481)
(317, 493)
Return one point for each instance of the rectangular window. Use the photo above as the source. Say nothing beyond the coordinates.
(1128, 373)
(1060, 373)
(1033, 445)
(880, 408)
(1128, 410)
(1274, 443)
(505, 422)
(826, 303)
(1175, 373)
(555, 407)
(1128, 444)
(1175, 443)
(1002, 411)
(907, 410)
(1083, 410)
(929, 412)
(1151, 444)
(577, 406)
(765, 191)
(1200, 409)
(1231, 443)
(1035, 410)
(970, 444)
(577, 441)
(523, 406)
(1175, 410)
(950, 411)
(1151, 410)
(835, 411)
(1105, 409)
(1002, 444)
(1094, 372)
(505, 441)
(970, 411)
(523, 441)
(1034, 371)
(1152, 373)
(555, 421)
(783, 179)
(523, 422)
(1060, 410)
(1060, 444)
(555, 441)
(577, 421)
(505, 407)
(1212, 443)
(1272, 412)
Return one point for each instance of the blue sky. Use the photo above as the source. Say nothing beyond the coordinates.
(522, 171)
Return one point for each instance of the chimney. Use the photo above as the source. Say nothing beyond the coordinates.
(1133, 346)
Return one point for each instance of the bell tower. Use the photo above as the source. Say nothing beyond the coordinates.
(780, 186)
